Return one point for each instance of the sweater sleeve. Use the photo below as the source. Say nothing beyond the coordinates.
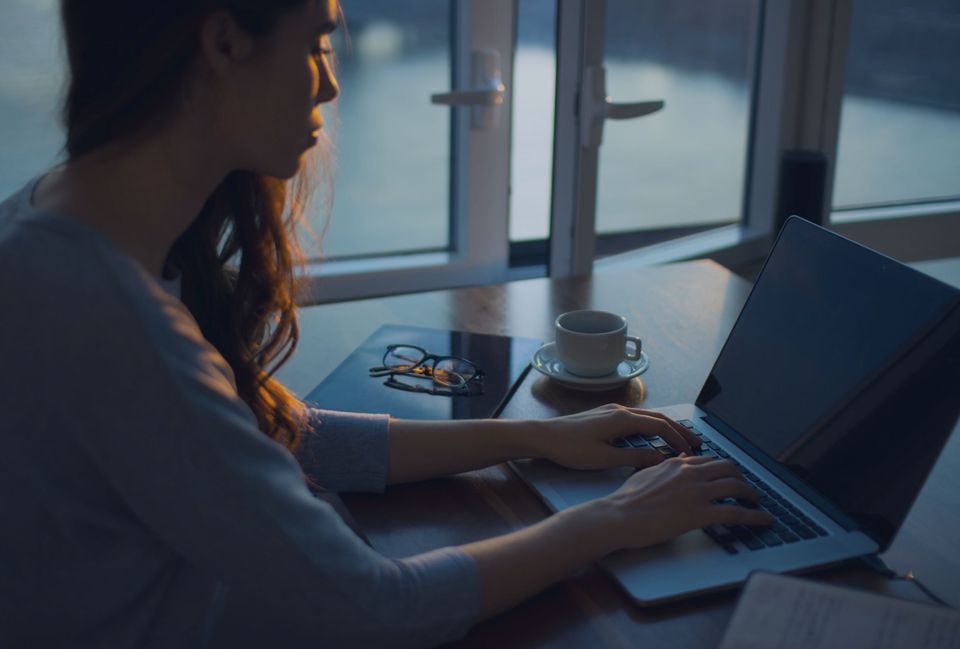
(344, 451)
(184, 453)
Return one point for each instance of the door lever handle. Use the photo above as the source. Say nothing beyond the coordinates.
(596, 107)
(486, 95)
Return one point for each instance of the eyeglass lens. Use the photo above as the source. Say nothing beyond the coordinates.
(448, 371)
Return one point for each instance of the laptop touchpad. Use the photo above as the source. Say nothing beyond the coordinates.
(576, 488)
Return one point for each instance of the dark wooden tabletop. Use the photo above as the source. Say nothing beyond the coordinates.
(683, 312)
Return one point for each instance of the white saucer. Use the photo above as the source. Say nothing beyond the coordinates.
(546, 362)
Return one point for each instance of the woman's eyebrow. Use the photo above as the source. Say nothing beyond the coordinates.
(326, 27)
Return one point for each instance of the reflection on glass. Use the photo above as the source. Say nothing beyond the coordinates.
(900, 125)
(685, 165)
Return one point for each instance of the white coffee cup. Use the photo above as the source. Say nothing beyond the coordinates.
(593, 343)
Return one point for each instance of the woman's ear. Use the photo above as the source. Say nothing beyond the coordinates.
(223, 43)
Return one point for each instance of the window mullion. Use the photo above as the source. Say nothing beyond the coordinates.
(580, 43)
(483, 167)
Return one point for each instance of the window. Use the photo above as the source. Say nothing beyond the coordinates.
(432, 195)
(392, 146)
(684, 166)
(900, 130)
(31, 76)
(427, 201)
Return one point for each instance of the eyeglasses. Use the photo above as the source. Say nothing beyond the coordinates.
(457, 376)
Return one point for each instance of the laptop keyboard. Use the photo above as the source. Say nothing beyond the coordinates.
(790, 525)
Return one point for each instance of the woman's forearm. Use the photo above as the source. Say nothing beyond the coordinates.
(519, 565)
(420, 450)
(427, 449)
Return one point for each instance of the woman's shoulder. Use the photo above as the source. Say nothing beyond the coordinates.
(66, 281)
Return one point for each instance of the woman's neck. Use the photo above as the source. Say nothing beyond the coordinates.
(141, 195)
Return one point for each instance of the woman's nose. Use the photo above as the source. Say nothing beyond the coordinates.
(329, 88)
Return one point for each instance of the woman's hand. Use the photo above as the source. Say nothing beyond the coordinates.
(582, 441)
(654, 505)
(678, 495)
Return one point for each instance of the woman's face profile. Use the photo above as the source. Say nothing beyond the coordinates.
(272, 109)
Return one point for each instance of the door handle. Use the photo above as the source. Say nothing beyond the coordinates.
(596, 107)
(487, 94)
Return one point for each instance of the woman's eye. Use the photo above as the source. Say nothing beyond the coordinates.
(321, 51)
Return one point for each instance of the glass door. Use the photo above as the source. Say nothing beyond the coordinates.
(687, 68)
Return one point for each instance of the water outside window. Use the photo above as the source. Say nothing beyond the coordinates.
(900, 126)
(392, 144)
(684, 165)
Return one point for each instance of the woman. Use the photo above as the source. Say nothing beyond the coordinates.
(150, 476)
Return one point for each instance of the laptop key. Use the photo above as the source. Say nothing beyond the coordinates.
(637, 441)
(804, 532)
(769, 538)
(750, 541)
(722, 537)
(788, 537)
(620, 443)
(778, 527)
(685, 423)
(722, 453)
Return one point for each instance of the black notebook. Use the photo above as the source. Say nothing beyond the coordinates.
(504, 361)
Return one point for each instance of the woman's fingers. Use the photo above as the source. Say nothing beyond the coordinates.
(677, 436)
(714, 469)
(736, 515)
(655, 426)
(639, 457)
(730, 488)
(684, 432)
(644, 457)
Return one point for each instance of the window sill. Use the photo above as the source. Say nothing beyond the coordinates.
(731, 245)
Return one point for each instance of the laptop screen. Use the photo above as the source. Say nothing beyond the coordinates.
(844, 367)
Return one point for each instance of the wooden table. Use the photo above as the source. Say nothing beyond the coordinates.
(683, 312)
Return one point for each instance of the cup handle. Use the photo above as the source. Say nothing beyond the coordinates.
(635, 356)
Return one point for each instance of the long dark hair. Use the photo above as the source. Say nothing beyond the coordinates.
(129, 61)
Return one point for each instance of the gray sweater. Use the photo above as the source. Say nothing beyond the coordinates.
(141, 504)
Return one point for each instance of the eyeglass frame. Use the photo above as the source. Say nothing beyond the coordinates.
(390, 372)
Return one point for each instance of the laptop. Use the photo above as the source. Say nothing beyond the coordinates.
(835, 392)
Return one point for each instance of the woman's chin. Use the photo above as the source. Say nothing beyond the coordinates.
(283, 171)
